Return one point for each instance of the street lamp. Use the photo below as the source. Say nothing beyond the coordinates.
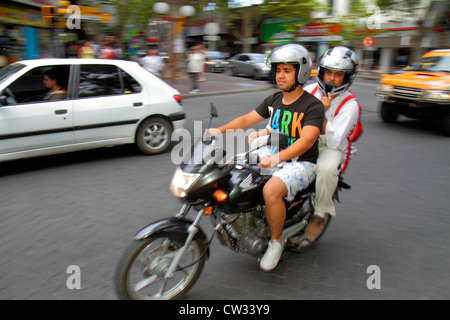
(163, 8)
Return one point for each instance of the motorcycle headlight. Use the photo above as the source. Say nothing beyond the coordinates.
(182, 181)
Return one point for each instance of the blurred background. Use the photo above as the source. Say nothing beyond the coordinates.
(386, 34)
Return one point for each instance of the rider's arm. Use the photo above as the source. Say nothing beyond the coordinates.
(340, 126)
(307, 139)
(243, 122)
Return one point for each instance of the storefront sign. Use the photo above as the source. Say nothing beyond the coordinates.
(316, 32)
(319, 30)
(30, 18)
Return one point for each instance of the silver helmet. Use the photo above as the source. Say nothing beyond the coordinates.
(294, 54)
(340, 59)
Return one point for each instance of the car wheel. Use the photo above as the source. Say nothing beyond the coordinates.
(154, 136)
(387, 114)
(256, 75)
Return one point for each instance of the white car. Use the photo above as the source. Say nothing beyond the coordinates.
(97, 103)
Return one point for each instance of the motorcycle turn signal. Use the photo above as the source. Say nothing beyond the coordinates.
(220, 196)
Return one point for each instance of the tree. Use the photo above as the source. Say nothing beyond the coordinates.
(243, 21)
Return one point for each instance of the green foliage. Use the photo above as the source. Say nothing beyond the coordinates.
(290, 8)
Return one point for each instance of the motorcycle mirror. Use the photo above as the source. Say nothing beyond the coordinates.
(213, 111)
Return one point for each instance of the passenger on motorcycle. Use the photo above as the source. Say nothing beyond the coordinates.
(298, 114)
(337, 70)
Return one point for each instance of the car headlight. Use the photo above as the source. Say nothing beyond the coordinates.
(182, 181)
(441, 95)
(385, 88)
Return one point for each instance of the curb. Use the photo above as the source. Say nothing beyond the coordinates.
(186, 96)
(213, 93)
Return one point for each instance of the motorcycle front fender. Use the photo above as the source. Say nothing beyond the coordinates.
(174, 228)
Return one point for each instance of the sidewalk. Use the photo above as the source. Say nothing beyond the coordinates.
(219, 83)
(222, 83)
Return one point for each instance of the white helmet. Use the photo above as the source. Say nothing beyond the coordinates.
(340, 59)
(294, 54)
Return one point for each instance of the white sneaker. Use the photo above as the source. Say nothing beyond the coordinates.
(272, 256)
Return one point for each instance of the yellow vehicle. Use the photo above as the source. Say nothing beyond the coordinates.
(421, 93)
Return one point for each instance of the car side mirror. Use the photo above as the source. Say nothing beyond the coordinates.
(3, 101)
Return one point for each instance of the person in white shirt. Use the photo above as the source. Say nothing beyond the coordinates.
(337, 70)
(196, 63)
(152, 62)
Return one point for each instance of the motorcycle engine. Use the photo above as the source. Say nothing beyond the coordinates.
(248, 233)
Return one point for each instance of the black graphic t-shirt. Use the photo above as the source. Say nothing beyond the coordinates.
(291, 119)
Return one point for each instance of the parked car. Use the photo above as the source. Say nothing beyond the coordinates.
(250, 64)
(423, 92)
(105, 103)
(215, 61)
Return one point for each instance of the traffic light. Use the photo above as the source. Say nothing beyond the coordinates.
(49, 15)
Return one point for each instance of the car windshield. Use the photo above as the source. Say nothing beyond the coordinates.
(259, 58)
(434, 64)
(214, 55)
(7, 71)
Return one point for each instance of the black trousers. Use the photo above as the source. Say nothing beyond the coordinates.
(194, 77)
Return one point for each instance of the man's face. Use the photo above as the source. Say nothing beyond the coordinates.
(334, 76)
(285, 76)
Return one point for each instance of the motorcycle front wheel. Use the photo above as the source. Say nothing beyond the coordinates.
(141, 271)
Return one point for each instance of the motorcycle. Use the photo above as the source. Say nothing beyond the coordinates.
(167, 257)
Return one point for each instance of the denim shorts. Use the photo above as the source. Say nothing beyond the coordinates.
(297, 176)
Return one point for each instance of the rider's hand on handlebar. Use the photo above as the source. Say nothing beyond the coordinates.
(252, 136)
(270, 161)
(213, 131)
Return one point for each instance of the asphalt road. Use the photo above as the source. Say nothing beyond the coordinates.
(389, 239)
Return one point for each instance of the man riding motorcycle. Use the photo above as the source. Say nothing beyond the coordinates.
(299, 115)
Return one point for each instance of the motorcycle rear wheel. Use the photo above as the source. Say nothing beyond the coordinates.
(141, 269)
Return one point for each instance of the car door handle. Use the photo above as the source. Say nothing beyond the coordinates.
(138, 104)
(61, 111)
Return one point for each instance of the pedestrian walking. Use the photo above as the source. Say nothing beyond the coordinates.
(152, 62)
(86, 51)
(196, 62)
